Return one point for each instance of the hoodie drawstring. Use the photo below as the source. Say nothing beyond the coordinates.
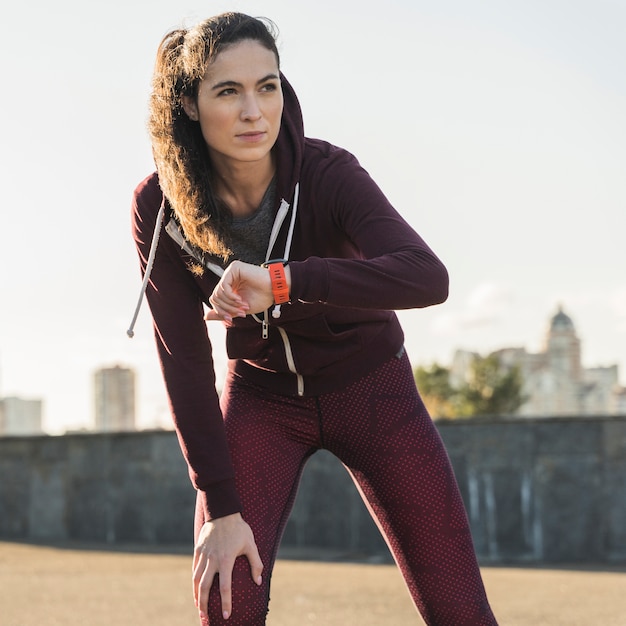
(292, 224)
(153, 248)
(146, 277)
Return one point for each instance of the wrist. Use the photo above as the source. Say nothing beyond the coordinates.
(226, 519)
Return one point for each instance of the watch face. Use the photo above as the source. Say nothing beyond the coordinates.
(273, 262)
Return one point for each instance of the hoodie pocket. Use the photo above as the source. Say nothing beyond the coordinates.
(317, 344)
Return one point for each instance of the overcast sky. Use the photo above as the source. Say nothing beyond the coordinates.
(496, 127)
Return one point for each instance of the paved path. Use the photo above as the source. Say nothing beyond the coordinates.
(68, 586)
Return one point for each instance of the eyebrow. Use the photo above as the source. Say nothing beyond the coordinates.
(234, 83)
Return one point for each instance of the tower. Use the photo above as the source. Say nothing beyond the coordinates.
(114, 399)
(562, 347)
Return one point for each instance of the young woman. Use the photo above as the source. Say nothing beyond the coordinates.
(290, 244)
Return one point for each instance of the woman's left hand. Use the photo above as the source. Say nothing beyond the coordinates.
(243, 289)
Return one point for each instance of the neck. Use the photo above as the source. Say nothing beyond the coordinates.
(242, 185)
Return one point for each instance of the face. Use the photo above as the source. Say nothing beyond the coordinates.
(239, 104)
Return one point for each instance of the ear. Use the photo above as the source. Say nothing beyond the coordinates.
(191, 108)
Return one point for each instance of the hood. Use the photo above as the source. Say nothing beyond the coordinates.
(289, 147)
(289, 150)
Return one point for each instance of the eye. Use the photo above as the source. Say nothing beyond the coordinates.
(229, 91)
(269, 87)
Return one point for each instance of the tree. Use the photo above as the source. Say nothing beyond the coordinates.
(489, 389)
(435, 389)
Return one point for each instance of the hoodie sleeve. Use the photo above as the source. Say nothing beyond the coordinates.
(186, 359)
(389, 266)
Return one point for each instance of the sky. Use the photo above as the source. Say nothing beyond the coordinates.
(497, 128)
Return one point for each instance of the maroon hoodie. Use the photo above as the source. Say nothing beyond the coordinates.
(353, 261)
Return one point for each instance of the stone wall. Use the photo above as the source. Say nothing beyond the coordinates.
(536, 490)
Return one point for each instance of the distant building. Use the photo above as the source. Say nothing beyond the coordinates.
(555, 383)
(619, 406)
(114, 394)
(20, 417)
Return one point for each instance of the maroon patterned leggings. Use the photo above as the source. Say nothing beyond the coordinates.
(379, 428)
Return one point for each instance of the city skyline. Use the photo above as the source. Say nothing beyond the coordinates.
(496, 129)
(161, 419)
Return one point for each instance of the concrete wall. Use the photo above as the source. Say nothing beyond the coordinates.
(540, 490)
(122, 487)
(543, 490)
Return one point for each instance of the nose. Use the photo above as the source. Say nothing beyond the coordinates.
(251, 109)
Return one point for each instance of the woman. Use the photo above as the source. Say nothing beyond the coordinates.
(297, 251)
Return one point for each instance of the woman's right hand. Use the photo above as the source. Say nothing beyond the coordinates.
(220, 542)
(243, 289)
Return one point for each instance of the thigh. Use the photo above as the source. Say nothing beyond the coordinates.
(270, 439)
(385, 437)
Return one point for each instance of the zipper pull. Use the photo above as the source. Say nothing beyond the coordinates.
(265, 329)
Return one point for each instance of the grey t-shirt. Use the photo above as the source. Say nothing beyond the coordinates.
(250, 235)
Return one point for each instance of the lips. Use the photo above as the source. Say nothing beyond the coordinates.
(252, 136)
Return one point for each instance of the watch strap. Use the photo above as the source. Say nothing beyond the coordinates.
(280, 288)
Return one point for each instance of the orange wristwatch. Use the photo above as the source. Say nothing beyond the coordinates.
(280, 288)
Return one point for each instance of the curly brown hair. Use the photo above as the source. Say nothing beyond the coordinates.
(179, 149)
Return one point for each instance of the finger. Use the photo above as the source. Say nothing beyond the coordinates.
(256, 565)
(256, 571)
(227, 288)
(212, 316)
(196, 558)
(230, 308)
(219, 312)
(199, 566)
(226, 312)
(228, 292)
(227, 307)
(221, 301)
(204, 588)
(226, 578)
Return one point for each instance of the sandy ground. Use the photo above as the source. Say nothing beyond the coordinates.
(77, 585)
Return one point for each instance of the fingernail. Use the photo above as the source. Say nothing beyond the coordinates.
(225, 614)
(259, 580)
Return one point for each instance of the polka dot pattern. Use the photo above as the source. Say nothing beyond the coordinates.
(379, 428)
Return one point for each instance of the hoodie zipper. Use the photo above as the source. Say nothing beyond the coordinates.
(174, 232)
(281, 214)
(283, 209)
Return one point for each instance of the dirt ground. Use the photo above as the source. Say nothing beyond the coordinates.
(77, 585)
